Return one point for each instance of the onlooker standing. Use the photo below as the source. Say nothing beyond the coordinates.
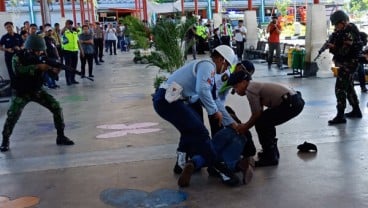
(56, 34)
(70, 49)
(98, 41)
(87, 50)
(119, 34)
(52, 54)
(239, 35)
(10, 43)
(274, 28)
(111, 38)
(226, 32)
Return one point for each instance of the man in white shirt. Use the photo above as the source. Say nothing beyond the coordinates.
(239, 35)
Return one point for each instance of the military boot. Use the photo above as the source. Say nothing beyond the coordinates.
(355, 113)
(63, 140)
(4, 145)
(339, 118)
(270, 155)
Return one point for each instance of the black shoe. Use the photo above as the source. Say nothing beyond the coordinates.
(63, 140)
(266, 162)
(184, 179)
(364, 90)
(83, 76)
(98, 64)
(177, 169)
(337, 120)
(91, 75)
(227, 176)
(75, 82)
(4, 146)
(102, 60)
(354, 114)
(213, 172)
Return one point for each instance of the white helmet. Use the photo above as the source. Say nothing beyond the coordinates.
(227, 52)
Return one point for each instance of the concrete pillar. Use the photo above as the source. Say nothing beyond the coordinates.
(4, 17)
(316, 35)
(250, 22)
(217, 20)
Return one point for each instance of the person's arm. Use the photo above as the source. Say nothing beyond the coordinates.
(243, 128)
(204, 80)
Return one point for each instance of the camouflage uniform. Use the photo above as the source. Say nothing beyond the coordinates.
(346, 58)
(27, 92)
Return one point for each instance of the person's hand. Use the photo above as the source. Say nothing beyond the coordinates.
(241, 129)
(42, 67)
(218, 117)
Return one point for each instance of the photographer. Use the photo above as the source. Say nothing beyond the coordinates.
(28, 82)
(274, 28)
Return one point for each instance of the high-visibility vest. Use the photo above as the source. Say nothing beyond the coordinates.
(225, 30)
(72, 40)
(201, 31)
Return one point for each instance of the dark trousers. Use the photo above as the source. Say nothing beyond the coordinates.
(98, 44)
(272, 117)
(71, 60)
(9, 66)
(194, 137)
(272, 47)
(240, 49)
(41, 97)
(225, 40)
(87, 58)
(112, 46)
(361, 76)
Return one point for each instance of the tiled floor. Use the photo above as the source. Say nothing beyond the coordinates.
(125, 152)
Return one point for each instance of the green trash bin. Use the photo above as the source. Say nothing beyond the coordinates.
(298, 61)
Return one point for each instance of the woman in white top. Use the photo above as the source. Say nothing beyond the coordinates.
(111, 38)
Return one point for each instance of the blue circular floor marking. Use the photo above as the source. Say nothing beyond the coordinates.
(132, 198)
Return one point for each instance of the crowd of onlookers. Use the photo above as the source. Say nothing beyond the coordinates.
(93, 40)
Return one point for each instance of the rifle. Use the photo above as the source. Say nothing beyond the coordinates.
(29, 58)
(331, 39)
(55, 64)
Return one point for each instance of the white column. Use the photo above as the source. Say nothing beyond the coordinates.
(316, 35)
(250, 22)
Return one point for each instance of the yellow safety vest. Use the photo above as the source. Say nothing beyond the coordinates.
(72, 41)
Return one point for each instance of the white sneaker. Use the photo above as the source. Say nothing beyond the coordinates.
(181, 159)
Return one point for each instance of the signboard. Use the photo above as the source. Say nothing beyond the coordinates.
(103, 14)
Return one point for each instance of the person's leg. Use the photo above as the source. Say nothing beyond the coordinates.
(13, 114)
(100, 49)
(271, 48)
(342, 81)
(83, 65)
(352, 99)
(95, 47)
(49, 102)
(114, 46)
(90, 64)
(278, 55)
(74, 66)
(68, 62)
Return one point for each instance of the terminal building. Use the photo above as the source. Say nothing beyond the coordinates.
(111, 10)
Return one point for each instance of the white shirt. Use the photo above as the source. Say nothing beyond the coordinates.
(238, 35)
(110, 34)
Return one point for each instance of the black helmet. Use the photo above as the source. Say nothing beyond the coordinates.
(35, 42)
(338, 16)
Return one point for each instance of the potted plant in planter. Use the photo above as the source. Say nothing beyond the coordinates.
(138, 32)
(168, 56)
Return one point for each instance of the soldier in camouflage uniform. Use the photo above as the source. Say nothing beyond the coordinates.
(28, 87)
(346, 48)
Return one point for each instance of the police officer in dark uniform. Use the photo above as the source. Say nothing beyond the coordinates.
(10, 43)
(28, 84)
(345, 48)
